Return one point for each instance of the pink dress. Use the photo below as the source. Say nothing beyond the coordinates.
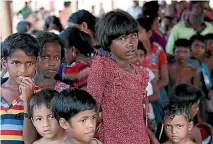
(121, 96)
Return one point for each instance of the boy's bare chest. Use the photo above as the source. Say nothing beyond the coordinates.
(182, 75)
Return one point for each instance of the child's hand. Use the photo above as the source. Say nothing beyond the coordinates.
(154, 141)
(26, 88)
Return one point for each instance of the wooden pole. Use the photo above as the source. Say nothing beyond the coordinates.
(6, 19)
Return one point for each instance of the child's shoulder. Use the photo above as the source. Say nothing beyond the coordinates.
(39, 141)
(95, 141)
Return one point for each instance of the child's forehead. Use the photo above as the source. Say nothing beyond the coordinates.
(41, 108)
(175, 119)
(20, 55)
(86, 113)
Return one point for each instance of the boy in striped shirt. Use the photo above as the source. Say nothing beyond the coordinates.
(20, 53)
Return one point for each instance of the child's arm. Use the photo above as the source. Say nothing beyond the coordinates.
(195, 133)
(156, 94)
(196, 79)
(96, 81)
(27, 87)
(152, 137)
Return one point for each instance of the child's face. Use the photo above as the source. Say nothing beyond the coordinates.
(50, 60)
(143, 34)
(45, 123)
(182, 54)
(69, 56)
(177, 129)
(82, 126)
(20, 65)
(198, 49)
(210, 46)
(195, 109)
(139, 57)
(125, 46)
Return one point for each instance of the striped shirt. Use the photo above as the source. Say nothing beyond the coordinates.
(11, 122)
(77, 74)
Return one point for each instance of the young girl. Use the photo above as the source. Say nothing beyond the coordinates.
(118, 86)
(77, 57)
(49, 60)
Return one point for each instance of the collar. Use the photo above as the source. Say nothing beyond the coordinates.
(188, 25)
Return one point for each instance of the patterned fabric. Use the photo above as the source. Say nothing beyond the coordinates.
(58, 87)
(77, 74)
(122, 97)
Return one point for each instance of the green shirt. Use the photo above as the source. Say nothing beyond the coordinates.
(184, 30)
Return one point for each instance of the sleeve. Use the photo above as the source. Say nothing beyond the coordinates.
(96, 81)
(162, 58)
(171, 40)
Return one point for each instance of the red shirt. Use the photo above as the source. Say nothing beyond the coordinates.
(154, 58)
(121, 96)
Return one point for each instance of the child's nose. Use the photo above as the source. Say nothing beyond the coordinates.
(46, 123)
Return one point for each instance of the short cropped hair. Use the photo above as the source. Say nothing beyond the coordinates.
(73, 36)
(20, 41)
(83, 16)
(172, 109)
(42, 97)
(23, 26)
(112, 25)
(208, 36)
(52, 20)
(46, 37)
(182, 43)
(72, 101)
(145, 22)
(197, 38)
(185, 93)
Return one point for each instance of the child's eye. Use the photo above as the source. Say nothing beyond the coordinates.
(179, 126)
(45, 57)
(168, 127)
(58, 58)
(134, 35)
(121, 38)
(30, 63)
(94, 117)
(51, 117)
(15, 63)
(38, 119)
(83, 121)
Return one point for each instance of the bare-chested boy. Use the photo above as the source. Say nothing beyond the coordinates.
(181, 71)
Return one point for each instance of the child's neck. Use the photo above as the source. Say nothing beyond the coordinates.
(11, 83)
(181, 64)
(59, 138)
(74, 141)
(44, 82)
(147, 44)
(185, 141)
(81, 57)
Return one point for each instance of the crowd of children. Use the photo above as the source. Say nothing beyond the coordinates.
(105, 81)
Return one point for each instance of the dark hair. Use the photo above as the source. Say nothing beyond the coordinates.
(23, 26)
(83, 16)
(42, 97)
(172, 109)
(208, 36)
(198, 38)
(182, 43)
(185, 93)
(72, 101)
(52, 20)
(112, 25)
(45, 37)
(150, 10)
(20, 41)
(73, 36)
(67, 3)
(192, 2)
(141, 47)
(145, 23)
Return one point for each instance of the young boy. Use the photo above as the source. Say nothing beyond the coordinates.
(177, 123)
(180, 71)
(19, 53)
(43, 119)
(49, 60)
(76, 112)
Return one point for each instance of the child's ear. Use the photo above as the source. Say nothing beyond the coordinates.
(63, 123)
(4, 63)
(149, 33)
(191, 124)
(84, 26)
